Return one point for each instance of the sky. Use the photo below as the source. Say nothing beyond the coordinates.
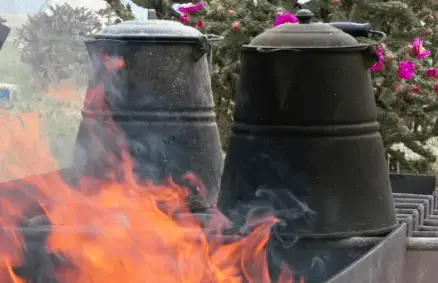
(34, 6)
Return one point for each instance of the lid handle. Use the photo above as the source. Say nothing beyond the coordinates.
(304, 16)
(353, 29)
(359, 30)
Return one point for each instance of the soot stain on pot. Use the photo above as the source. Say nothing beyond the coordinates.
(160, 100)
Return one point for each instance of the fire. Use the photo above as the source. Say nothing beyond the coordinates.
(117, 231)
(64, 92)
(19, 145)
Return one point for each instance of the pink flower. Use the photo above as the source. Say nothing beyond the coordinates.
(418, 48)
(190, 7)
(435, 86)
(200, 24)
(415, 89)
(235, 25)
(406, 70)
(285, 18)
(184, 19)
(432, 73)
(379, 65)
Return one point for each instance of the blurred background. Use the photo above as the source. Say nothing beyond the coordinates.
(58, 101)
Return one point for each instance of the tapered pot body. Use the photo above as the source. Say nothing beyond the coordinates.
(306, 146)
(159, 98)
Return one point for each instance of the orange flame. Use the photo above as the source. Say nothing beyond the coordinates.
(121, 231)
(64, 92)
(112, 63)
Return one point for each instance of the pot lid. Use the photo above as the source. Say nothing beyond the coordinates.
(155, 29)
(303, 35)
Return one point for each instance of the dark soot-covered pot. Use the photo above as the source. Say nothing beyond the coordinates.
(160, 96)
(305, 140)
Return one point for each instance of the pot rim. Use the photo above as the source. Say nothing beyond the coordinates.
(268, 49)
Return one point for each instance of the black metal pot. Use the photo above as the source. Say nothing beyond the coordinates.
(161, 100)
(305, 143)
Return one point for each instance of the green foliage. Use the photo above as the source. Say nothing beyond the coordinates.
(122, 11)
(252, 20)
(406, 117)
(255, 18)
(52, 44)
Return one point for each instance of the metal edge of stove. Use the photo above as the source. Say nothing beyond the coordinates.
(383, 263)
(415, 211)
(407, 254)
(421, 256)
(422, 243)
(404, 256)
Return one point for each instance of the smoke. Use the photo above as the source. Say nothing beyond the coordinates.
(160, 152)
(60, 109)
(279, 203)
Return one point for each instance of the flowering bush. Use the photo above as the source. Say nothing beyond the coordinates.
(406, 69)
(404, 78)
